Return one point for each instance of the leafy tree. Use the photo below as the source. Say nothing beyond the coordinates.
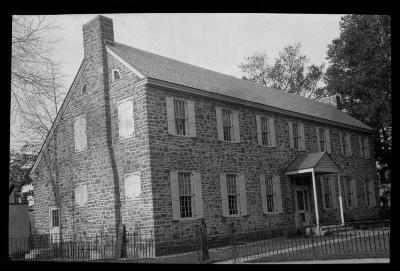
(20, 165)
(289, 72)
(360, 73)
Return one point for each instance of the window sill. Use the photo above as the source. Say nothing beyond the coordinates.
(266, 146)
(81, 151)
(185, 136)
(126, 138)
(186, 219)
(229, 141)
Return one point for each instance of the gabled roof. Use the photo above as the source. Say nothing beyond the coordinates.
(319, 161)
(173, 71)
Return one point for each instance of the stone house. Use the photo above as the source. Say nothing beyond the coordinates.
(158, 145)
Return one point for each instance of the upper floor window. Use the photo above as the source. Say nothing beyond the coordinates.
(80, 133)
(181, 117)
(54, 218)
(186, 195)
(364, 147)
(116, 75)
(181, 120)
(228, 124)
(265, 131)
(345, 144)
(323, 140)
(296, 136)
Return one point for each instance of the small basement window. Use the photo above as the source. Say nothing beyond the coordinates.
(116, 75)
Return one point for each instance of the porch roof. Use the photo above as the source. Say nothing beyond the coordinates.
(317, 161)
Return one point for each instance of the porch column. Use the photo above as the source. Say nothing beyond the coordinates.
(315, 197)
(340, 200)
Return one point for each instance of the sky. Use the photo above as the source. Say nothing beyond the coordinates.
(218, 42)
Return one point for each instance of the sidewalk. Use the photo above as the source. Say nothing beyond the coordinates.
(338, 261)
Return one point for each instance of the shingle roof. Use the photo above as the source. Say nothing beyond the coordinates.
(310, 160)
(173, 71)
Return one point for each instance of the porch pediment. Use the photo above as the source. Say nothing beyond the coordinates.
(318, 162)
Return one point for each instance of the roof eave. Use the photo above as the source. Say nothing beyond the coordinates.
(200, 92)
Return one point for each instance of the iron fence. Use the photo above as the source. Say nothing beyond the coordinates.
(254, 243)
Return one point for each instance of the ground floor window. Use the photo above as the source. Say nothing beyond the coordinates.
(231, 180)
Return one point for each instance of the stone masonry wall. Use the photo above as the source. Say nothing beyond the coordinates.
(206, 154)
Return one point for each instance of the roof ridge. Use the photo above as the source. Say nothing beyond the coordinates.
(255, 84)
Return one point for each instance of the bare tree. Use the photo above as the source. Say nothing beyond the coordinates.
(37, 89)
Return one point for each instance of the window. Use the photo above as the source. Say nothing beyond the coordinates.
(227, 124)
(232, 194)
(83, 89)
(326, 193)
(348, 192)
(80, 133)
(185, 194)
(296, 136)
(81, 194)
(344, 143)
(265, 131)
(322, 141)
(180, 116)
(133, 187)
(116, 75)
(362, 148)
(126, 123)
(270, 194)
(55, 218)
(369, 193)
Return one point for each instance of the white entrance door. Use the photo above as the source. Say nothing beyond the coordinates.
(302, 202)
(54, 225)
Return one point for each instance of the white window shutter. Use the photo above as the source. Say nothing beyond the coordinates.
(224, 194)
(332, 183)
(263, 189)
(354, 191)
(198, 198)
(241, 185)
(175, 195)
(218, 112)
(360, 146)
(80, 133)
(291, 139)
(349, 152)
(125, 118)
(236, 127)
(191, 119)
(302, 136)
(171, 115)
(322, 182)
(372, 189)
(328, 141)
(278, 194)
(259, 135)
(318, 139)
(367, 153)
(341, 143)
(271, 124)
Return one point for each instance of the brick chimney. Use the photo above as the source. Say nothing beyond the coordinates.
(332, 100)
(95, 32)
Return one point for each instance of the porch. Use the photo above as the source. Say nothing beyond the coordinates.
(315, 178)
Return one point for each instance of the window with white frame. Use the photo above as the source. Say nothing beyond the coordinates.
(265, 131)
(269, 185)
(296, 135)
(185, 194)
(55, 218)
(271, 194)
(181, 120)
(231, 180)
(322, 139)
(227, 124)
(181, 117)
